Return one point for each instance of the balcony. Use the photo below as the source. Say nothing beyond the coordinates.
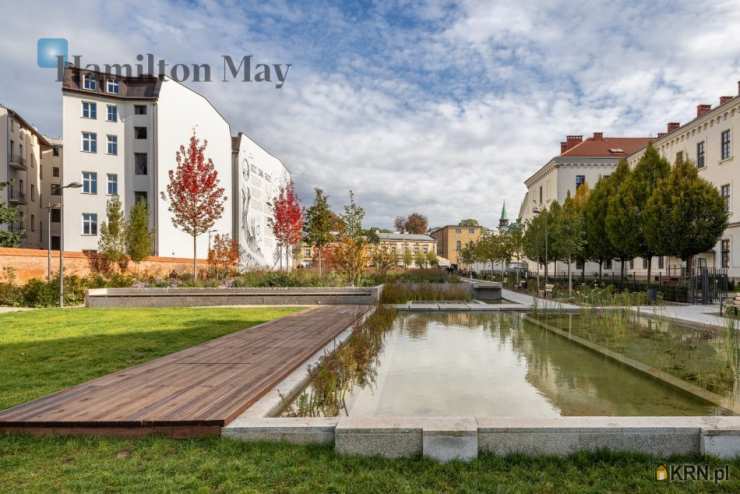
(17, 162)
(15, 197)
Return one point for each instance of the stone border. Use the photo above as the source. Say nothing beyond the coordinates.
(199, 297)
(653, 372)
(463, 438)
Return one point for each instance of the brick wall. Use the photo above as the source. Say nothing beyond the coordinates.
(33, 263)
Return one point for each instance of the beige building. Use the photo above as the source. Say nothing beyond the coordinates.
(22, 153)
(709, 141)
(452, 238)
(401, 242)
(580, 161)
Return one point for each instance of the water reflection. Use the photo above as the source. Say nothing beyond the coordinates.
(467, 363)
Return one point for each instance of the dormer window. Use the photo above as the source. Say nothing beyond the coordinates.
(89, 82)
(112, 86)
(616, 150)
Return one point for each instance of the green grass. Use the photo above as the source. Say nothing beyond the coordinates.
(45, 350)
(220, 465)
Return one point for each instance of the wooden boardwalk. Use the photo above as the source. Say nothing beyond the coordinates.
(192, 392)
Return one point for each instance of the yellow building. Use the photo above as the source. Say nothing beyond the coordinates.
(452, 238)
(401, 242)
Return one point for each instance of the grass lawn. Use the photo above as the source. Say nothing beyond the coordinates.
(45, 350)
(222, 465)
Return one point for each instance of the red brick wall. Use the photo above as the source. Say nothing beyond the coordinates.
(33, 263)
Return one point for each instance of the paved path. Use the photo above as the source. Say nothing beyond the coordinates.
(529, 301)
(191, 392)
(693, 314)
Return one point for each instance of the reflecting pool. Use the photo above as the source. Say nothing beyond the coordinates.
(480, 364)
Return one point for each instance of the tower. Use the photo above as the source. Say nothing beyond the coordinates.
(503, 222)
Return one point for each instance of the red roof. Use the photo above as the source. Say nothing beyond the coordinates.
(608, 147)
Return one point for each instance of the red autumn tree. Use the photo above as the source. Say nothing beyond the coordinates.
(223, 258)
(196, 197)
(286, 221)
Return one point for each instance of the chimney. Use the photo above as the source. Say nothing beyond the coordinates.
(672, 126)
(702, 110)
(598, 136)
(724, 99)
(662, 134)
(570, 141)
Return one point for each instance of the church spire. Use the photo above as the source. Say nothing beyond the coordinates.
(503, 222)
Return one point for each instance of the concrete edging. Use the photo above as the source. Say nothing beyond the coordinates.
(464, 438)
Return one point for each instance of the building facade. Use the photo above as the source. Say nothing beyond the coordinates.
(22, 149)
(452, 238)
(121, 136)
(258, 177)
(400, 243)
(579, 162)
(708, 141)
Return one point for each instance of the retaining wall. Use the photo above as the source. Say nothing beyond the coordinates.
(192, 297)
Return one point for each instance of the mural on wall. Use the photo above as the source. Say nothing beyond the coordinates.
(260, 178)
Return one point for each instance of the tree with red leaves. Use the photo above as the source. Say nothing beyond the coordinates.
(286, 221)
(196, 197)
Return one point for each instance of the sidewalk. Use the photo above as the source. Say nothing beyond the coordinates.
(528, 300)
(692, 314)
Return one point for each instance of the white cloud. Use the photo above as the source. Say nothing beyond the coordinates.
(433, 106)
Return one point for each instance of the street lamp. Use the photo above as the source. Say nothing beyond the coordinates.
(537, 211)
(71, 185)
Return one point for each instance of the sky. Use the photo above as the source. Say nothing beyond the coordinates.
(431, 106)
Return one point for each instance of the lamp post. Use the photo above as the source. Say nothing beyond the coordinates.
(71, 185)
(537, 211)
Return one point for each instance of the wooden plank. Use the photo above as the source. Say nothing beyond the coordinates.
(191, 391)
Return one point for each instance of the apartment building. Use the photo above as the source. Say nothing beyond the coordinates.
(52, 159)
(258, 177)
(121, 136)
(21, 150)
(399, 243)
(452, 238)
(709, 140)
(580, 161)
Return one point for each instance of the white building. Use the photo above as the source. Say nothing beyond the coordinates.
(258, 177)
(580, 161)
(23, 150)
(709, 141)
(121, 135)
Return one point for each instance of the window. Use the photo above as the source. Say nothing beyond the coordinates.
(55, 242)
(726, 144)
(56, 215)
(579, 263)
(458, 246)
(55, 171)
(112, 184)
(471, 230)
(644, 263)
(458, 230)
(140, 163)
(632, 264)
(12, 148)
(700, 154)
(139, 109)
(89, 224)
(56, 190)
(540, 194)
(112, 86)
(140, 132)
(580, 180)
(89, 82)
(725, 258)
(141, 196)
(55, 150)
(661, 262)
(89, 183)
(608, 264)
(112, 113)
(112, 144)
(679, 157)
(33, 222)
(33, 192)
(89, 110)
(725, 193)
(90, 142)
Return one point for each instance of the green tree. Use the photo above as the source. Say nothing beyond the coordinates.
(352, 218)
(138, 237)
(567, 231)
(9, 237)
(651, 169)
(598, 248)
(469, 222)
(685, 214)
(622, 226)
(535, 245)
(384, 259)
(420, 259)
(320, 221)
(432, 259)
(112, 243)
(408, 258)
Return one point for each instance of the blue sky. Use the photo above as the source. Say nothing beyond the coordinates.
(433, 106)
